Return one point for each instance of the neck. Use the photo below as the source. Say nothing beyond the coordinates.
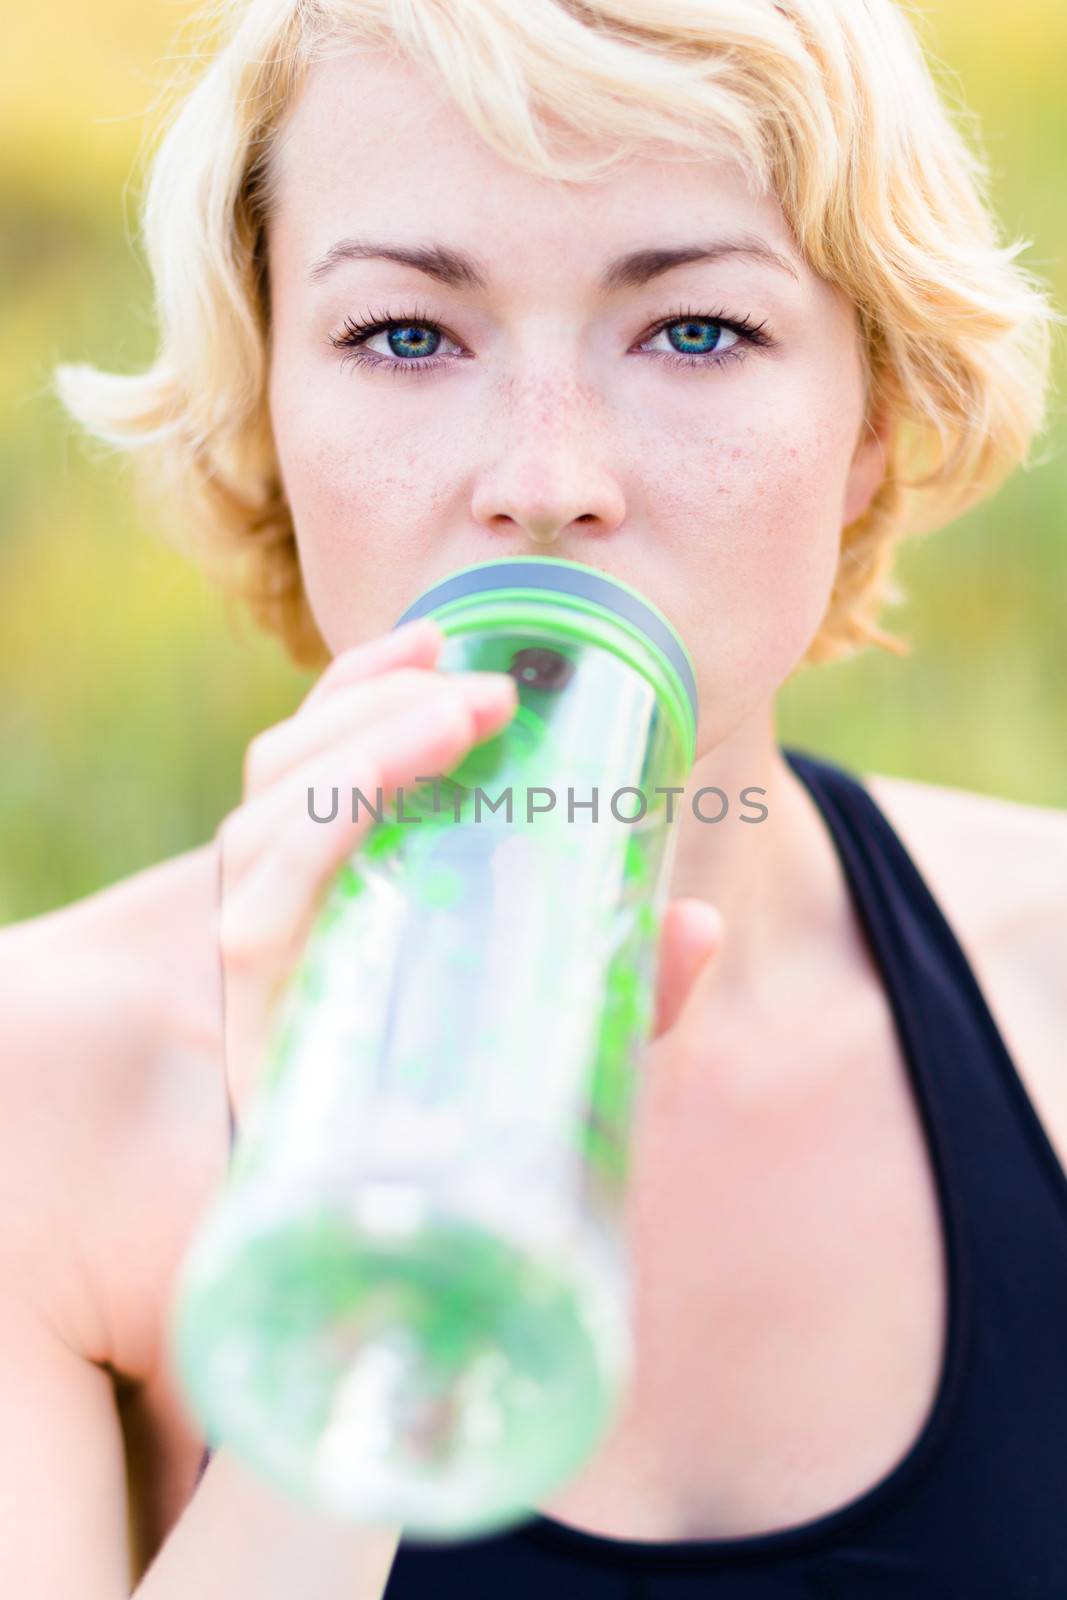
(777, 881)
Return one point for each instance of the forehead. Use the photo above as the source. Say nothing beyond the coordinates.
(373, 140)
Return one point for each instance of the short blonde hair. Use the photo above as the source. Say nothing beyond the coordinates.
(829, 103)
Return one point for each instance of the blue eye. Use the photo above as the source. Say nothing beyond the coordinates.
(414, 339)
(418, 335)
(700, 337)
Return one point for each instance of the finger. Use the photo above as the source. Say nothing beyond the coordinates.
(690, 937)
(272, 806)
(290, 860)
(416, 643)
(282, 747)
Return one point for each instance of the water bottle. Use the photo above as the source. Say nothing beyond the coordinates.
(410, 1303)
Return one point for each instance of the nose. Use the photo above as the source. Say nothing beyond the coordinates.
(549, 470)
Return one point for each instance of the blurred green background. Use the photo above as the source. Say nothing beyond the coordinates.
(128, 697)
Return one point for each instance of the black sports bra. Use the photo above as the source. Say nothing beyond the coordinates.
(977, 1507)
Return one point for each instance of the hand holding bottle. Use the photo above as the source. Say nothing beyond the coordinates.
(379, 717)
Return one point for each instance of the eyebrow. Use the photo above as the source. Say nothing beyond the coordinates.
(630, 271)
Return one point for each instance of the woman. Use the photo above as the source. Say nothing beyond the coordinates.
(706, 296)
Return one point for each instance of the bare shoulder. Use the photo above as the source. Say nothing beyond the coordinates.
(1003, 862)
(114, 1115)
(998, 869)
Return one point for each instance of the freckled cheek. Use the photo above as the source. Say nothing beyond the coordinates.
(765, 500)
(357, 506)
(782, 529)
(342, 467)
(753, 524)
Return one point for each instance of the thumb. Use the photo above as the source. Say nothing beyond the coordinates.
(691, 935)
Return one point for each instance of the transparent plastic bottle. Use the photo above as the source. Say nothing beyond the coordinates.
(411, 1302)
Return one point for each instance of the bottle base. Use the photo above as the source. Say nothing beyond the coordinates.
(441, 1378)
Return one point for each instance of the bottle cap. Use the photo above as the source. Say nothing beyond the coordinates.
(581, 588)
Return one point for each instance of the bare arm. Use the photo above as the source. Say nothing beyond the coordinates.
(63, 1527)
(63, 1530)
(237, 1537)
(64, 1516)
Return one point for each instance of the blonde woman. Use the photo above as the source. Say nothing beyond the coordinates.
(706, 294)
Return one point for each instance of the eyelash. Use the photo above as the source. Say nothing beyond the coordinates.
(356, 334)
